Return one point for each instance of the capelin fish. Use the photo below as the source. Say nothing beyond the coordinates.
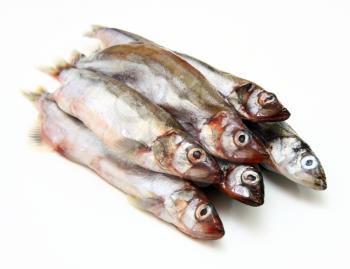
(173, 200)
(242, 182)
(290, 156)
(251, 101)
(172, 83)
(128, 122)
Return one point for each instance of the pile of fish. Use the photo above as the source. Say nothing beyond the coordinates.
(161, 126)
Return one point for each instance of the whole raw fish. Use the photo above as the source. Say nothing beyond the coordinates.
(290, 155)
(128, 122)
(170, 199)
(172, 83)
(242, 182)
(251, 101)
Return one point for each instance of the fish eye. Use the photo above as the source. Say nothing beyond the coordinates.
(196, 155)
(250, 177)
(203, 211)
(241, 138)
(309, 162)
(266, 98)
(269, 98)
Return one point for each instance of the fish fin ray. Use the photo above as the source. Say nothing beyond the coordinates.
(35, 139)
(34, 95)
(55, 70)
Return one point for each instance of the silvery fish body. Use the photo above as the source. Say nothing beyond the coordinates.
(290, 156)
(251, 101)
(128, 122)
(242, 182)
(286, 150)
(172, 83)
(173, 200)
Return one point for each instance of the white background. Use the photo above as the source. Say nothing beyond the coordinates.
(55, 214)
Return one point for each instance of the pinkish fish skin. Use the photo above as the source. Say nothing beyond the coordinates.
(170, 199)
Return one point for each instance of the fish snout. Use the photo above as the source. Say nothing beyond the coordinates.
(273, 113)
(212, 230)
(283, 115)
(320, 184)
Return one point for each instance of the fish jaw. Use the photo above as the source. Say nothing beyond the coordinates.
(283, 115)
(243, 183)
(271, 115)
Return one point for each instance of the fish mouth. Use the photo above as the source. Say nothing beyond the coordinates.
(213, 232)
(254, 198)
(320, 182)
(219, 233)
(320, 185)
(282, 115)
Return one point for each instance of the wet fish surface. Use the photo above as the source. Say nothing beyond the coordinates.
(175, 85)
(290, 156)
(128, 122)
(173, 200)
(288, 153)
(250, 100)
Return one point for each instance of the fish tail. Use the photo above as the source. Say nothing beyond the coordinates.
(34, 95)
(55, 70)
(34, 134)
(61, 64)
(35, 138)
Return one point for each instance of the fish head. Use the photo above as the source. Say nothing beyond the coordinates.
(195, 215)
(243, 183)
(296, 160)
(226, 137)
(260, 105)
(186, 158)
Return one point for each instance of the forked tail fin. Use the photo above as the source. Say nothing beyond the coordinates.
(61, 64)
